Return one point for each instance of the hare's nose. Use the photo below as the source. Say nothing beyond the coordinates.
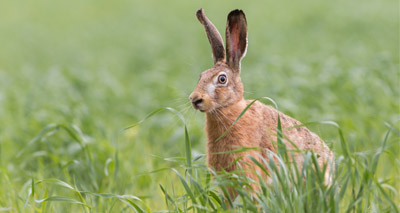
(195, 99)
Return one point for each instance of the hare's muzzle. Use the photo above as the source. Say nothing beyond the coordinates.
(196, 100)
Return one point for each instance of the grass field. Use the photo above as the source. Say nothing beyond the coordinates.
(74, 74)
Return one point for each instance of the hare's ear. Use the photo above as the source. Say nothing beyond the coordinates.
(236, 39)
(215, 39)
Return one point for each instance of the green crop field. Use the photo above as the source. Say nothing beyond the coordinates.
(74, 74)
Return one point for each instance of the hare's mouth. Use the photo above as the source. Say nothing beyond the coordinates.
(203, 104)
(199, 106)
(198, 103)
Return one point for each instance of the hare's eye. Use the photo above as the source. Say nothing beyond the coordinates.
(222, 79)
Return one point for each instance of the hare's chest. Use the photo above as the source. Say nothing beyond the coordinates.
(226, 152)
(221, 155)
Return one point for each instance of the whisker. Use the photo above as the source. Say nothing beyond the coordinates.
(177, 101)
(221, 120)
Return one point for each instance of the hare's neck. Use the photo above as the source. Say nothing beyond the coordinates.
(219, 120)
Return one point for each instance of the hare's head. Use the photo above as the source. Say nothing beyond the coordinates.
(221, 85)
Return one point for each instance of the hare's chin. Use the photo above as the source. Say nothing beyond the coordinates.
(196, 107)
(205, 110)
(200, 108)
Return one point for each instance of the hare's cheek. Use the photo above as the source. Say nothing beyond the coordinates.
(211, 90)
(221, 95)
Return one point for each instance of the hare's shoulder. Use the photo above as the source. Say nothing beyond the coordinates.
(265, 113)
(270, 114)
(293, 130)
(267, 116)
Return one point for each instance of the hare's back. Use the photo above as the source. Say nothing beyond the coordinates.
(301, 136)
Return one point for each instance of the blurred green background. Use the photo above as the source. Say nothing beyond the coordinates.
(103, 65)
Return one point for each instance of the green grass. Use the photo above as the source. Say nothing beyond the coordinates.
(74, 74)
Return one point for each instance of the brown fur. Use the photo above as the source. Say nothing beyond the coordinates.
(223, 103)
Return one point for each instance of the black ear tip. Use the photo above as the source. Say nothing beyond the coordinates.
(200, 15)
(199, 12)
(236, 12)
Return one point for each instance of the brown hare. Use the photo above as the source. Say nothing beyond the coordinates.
(219, 94)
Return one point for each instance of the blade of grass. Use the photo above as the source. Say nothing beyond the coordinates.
(186, 186)
(188, 149)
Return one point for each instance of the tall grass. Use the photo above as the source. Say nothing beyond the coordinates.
(355, 187)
